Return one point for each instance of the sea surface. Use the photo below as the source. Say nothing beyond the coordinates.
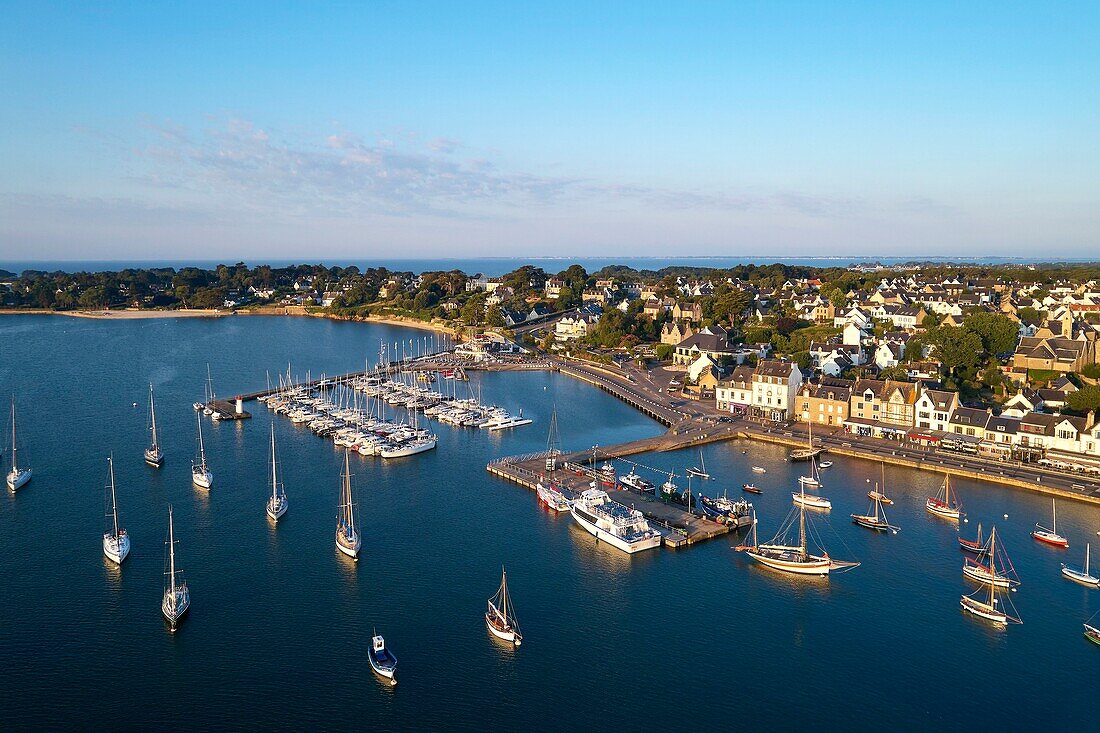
(694, 639)
(495, 266)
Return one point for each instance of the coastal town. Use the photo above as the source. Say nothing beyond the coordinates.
(993, 362)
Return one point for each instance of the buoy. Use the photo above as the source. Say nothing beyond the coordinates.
(966, 520)
(135, 404)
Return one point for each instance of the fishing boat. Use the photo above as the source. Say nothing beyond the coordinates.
(348, 540)
(617, 525)
(116, 542)
(668, 488)
(634, 481)
(875, 520)
(17, 477)
(177, 596)
(796, 559)
(1081, 575)
(154, 456)
(751, 488)
(701, 470)
(500, 618)
(1050, 536)
(200, 472)
(976, 603)
(975, 546)
(277, 504)
(382, 660)
(759, 469)
(942, 504)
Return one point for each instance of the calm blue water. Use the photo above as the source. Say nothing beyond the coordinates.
(280, 621)
(494, 266)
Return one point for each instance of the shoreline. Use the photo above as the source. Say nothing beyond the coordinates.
(135, 315)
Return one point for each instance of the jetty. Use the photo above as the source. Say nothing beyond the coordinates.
(678, 527)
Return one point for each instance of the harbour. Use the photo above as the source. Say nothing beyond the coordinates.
(437, 530)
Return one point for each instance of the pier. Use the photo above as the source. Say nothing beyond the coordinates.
(678, 527)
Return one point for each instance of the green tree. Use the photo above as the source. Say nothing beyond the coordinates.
(959, 348)
(1029, 315)
(1086, 398)
(664, 351)
(998, 332)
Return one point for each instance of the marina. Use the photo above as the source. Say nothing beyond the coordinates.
(240, 565)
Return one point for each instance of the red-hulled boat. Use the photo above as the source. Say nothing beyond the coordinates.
(751, 488)
(1050, 536)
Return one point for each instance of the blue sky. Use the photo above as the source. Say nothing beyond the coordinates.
(464, 129)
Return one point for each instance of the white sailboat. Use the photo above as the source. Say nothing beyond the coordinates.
(348, 540)
(942, 505)
(177, 596)
(277, 504)
(548, 493)
(989, 610)
(699, 471)
(1081, 576)
(154, 456)
(813, 501)
(500, 617)
(17, 477)
(116, 541)
(1050, 536)
(200, 473)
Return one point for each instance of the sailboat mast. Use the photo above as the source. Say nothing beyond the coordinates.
(114, 505)
(274, 481)
(202, 451)
(504, 594)
(1054, 510)
(802, 525)
(14, 467)
(171, 558)
(347, 485)
(993, 568)
(153, 416)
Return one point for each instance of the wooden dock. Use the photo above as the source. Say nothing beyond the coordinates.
(678, 527)
(227, 410)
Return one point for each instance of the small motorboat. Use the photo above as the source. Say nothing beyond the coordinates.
(825, 464)
(382, 661)
(761, 469)
(751, 488)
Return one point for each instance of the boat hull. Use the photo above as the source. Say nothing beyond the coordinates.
(202, 479)
(385, 668)
(1049, 538)
(616, 542)
(865, 520)
(154, 458)
(174, 613)
(942, 510)
(348, 547)
(983, 611)
(982, 575)
(508, 635)
(18, 479)
(276, 509)
(812, 502)
(1078, 576)
(813, 566)
(116, 551)
(552, 498)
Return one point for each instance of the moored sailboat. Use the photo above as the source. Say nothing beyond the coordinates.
(500, 617)
(154, 456)
(876, 520)
(277, 504)
(200, 472)
(116, 541)
(795, 559)
(942, 504)
(1081, 575)
(348, 540)
(17, 477)
(1050, 536)
(177, 596)
(547, 492)
(989, 610)
(975, 546)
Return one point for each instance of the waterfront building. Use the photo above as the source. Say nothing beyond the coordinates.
(774, 388)
(825, 402)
